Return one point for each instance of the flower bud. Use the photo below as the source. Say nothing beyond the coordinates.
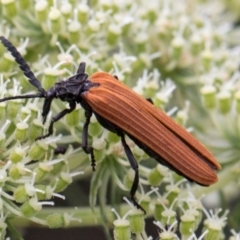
(224, 102)
(13, 108)
(95, 129)
(42, 170)
(21, 131)
(73, 118)
(64, 181)
(41, 10)
(187, 225)
(17, 155)
(57, 220)
(30, 208)
(159, 208)
(74, 30)
(20, 194)
(50, 77)
(24, 4)
(114, 31)
(35, 130)
(177, 47)
(37, 151)
(66, 10)
(137, 222)
(55, 20)
(207, 58)
(121, 229)
(9, 7)
(156, 175)
(209, 96)
(168, 216)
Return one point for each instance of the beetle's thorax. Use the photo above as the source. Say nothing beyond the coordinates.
(71, 89)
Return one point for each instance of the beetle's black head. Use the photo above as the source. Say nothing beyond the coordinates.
(68, 90)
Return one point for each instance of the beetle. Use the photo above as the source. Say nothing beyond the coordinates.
(122, 111)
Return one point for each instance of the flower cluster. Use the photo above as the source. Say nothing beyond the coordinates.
(180, 54)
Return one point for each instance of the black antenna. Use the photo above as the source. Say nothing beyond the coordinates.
(22, 65)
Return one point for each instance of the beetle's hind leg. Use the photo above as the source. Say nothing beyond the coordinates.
(86, 148)
(134, 166)
(56, 118)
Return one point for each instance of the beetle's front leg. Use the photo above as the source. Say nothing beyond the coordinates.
(134, 166)
(88, 149)
(56, 118)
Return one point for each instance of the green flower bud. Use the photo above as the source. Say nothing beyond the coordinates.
(93, 26)
(196, 44)
(55, 20)
(30, 208)
(112, 137)
(57, 220)
(37, 151)
(114, 31)
(74, 30)
(20, 194)
(224, 102)
(41, 10)
(177, 47)
(187, 224)
(21, 131)
(167, 236)
(209, 96)
(215, 231)
(207, 58)
(99, 146)
(174, 192)
(95, 129)
(159, 208)
(137, 222)
(168, 216)
(46, 194)
(42, 170)
(14, 173)
(128, 179)
(121, 229)
(66, 10)
(145, 203)
(13, 108)
(150, 89)
(24, 4)
(25, 112)
(17, 155)
(18, 170)
(35, 130)
(58, 167)
(83, 11)
(64, 181)
(156, 175)
(50, 77)
(9, 7)
(181, 117)
(73, 118)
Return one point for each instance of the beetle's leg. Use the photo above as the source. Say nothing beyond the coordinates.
(150, 100)
(134, 166)
(88, 149)
(56, 118)
(116, 77)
